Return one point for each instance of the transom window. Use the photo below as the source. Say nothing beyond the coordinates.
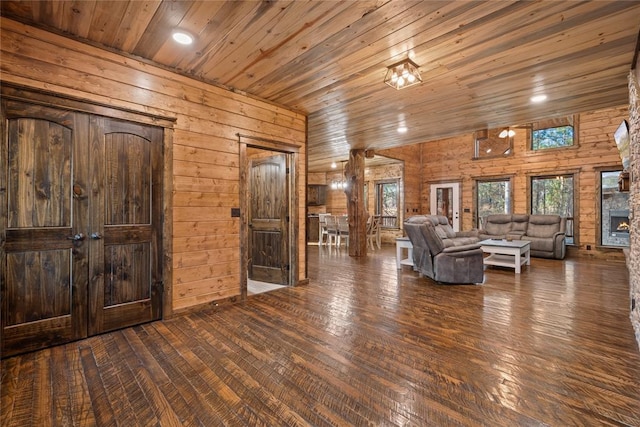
(553, 133)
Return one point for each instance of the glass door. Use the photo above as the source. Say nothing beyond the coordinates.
(445, 200)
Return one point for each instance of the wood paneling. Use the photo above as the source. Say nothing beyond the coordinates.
(411, 156)
(371, 345)
(318, 178)
(480, 60)
(205, 168)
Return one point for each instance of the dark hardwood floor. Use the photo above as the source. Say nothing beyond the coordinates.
(362, 344)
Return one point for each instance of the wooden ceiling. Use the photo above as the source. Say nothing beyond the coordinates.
(480, 61)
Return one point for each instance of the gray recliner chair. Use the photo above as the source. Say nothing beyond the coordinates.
(442, 254)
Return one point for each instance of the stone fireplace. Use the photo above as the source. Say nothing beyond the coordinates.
(633, 256)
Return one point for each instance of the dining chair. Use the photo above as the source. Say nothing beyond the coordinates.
(331, 222)
(373, 231)
(322, 224)
(343, 230)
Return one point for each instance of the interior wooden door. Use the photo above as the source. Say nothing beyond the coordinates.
(268, 220)
(125, 264)
(43, 214)
(80, 225)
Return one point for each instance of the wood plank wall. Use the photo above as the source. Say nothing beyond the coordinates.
(451, 160)
(411, 156)
(336, 198)
(206, 240)
(317, 178)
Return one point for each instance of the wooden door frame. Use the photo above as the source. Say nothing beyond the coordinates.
(293, 153)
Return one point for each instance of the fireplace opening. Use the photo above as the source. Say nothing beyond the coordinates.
(619, 223)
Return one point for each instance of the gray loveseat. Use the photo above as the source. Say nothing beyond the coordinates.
(442, 254)
(545, 232)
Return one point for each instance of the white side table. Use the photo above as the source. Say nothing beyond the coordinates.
(401, 244)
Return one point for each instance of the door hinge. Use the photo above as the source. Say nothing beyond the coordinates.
(287, 267)
(287, 218)
(287, 170)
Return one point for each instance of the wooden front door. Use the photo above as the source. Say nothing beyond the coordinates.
(71, 267)
(268, 220)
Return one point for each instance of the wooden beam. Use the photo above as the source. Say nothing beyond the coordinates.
(354, 175)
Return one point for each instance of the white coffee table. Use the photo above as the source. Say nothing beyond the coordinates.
(503, 253)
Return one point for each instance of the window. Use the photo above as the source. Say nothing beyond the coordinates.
(387, 202)
(614, 211)
(553, 133)
(554, 195)
(492, 197)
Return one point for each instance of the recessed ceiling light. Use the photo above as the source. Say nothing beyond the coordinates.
(333, 165)
(538, 98)
(182, 37)
(402, 129)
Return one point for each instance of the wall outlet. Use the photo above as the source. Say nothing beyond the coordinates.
(588, 247)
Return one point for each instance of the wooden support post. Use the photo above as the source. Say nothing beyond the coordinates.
(357, 211)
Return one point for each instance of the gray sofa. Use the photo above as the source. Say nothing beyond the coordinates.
(442, 254)
(545, 232)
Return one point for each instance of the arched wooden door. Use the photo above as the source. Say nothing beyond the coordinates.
(44, 221)
(125, 267)
(81, 221)
(268, 220)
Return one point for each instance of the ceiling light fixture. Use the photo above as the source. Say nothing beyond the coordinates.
(182, 37)
(333, 165)
(340, 184)
(402, 129)
(403, 74)
(507, 133)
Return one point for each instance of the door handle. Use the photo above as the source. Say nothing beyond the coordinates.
(76, 238)
(96, 236)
